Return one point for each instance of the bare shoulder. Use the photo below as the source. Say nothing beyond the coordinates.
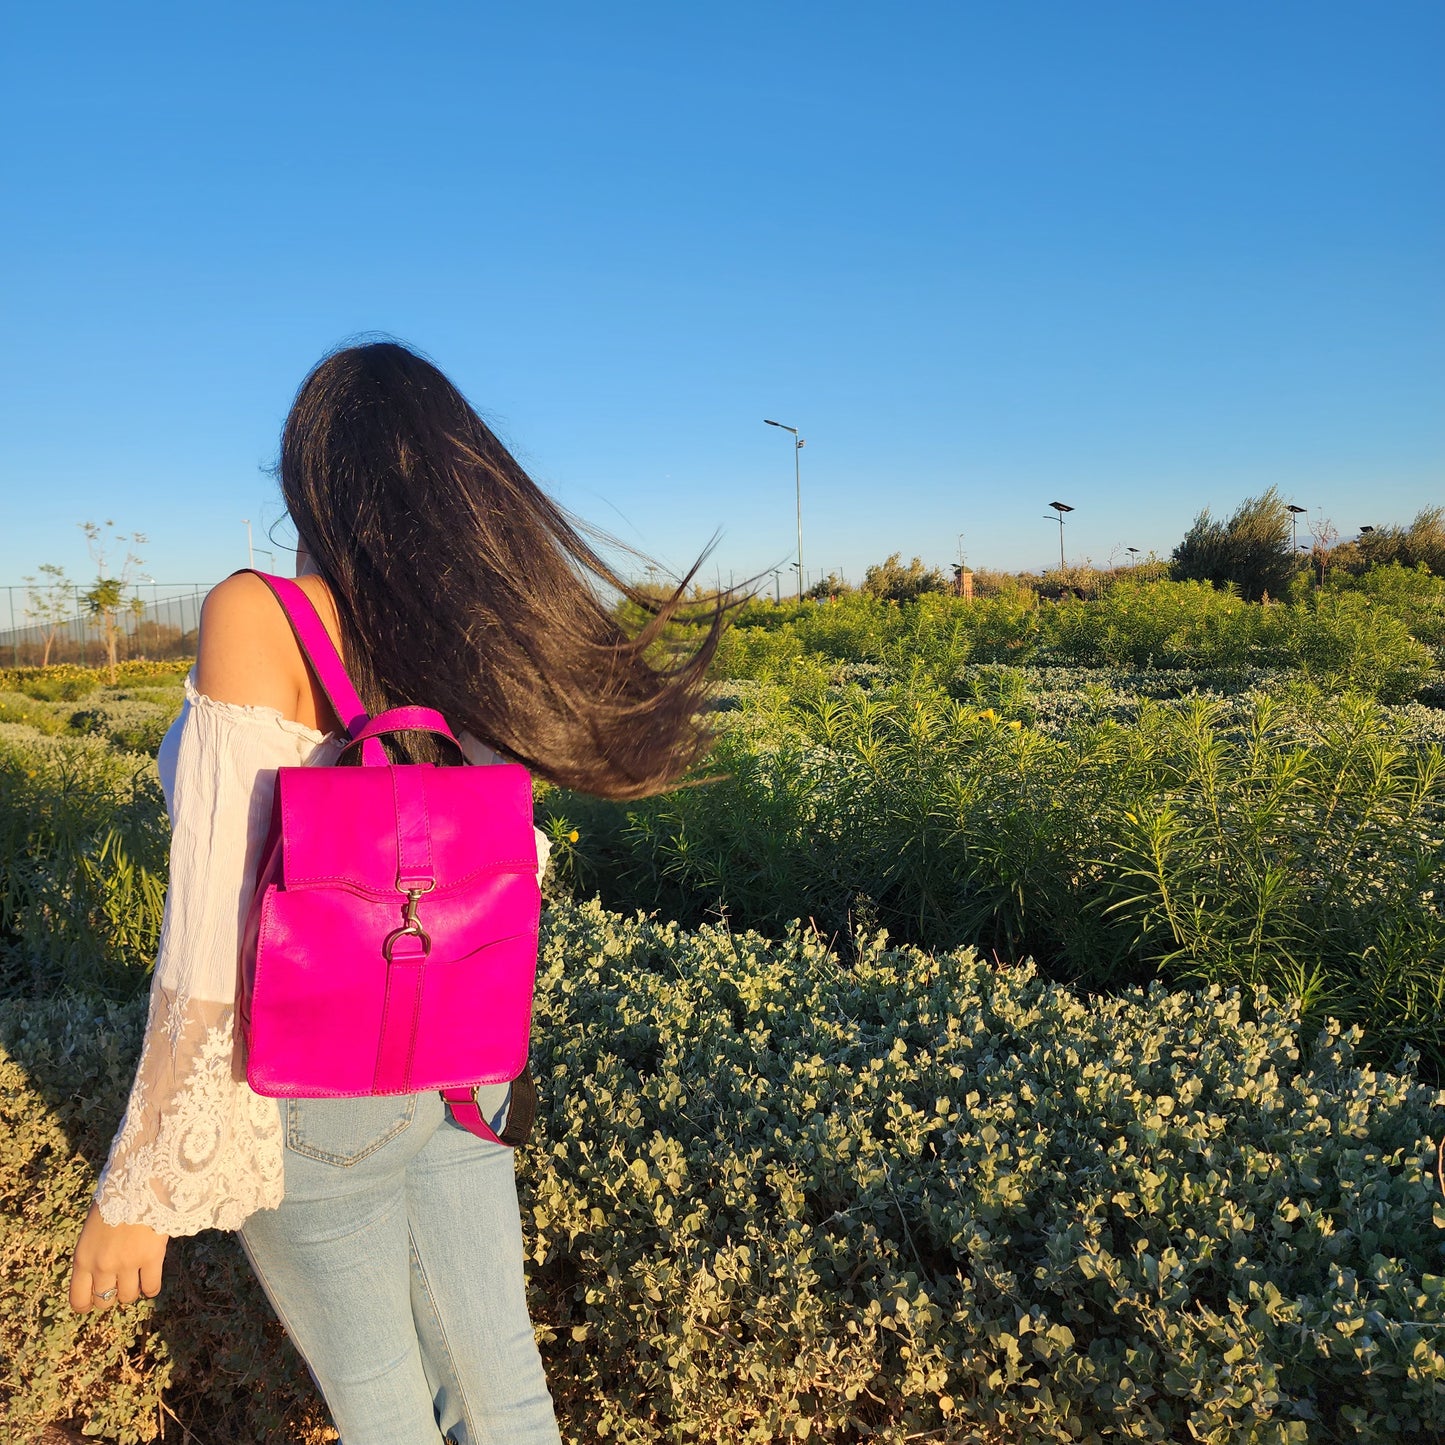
(247, 653)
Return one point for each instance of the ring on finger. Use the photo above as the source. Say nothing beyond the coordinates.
(105, 1294)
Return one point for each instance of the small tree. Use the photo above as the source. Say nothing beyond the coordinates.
(1325, 536)
(1252, 550)
(49, 604)
(895, 582)
(831, 586)
(1422, 543)
(106, 599)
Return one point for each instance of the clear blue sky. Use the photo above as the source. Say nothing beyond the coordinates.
(1138, 257)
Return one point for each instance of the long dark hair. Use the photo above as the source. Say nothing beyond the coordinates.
(462, 586)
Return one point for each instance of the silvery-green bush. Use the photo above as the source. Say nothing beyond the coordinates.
(133, 724)
(773, 1197)
(778, 1196)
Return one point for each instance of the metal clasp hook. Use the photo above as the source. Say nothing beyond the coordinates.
(410, 924)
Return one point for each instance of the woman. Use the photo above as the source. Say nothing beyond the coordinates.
(385, 1235)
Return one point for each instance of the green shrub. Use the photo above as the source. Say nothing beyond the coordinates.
(129, 723)
(168, 697)
(1292, 841)
(1413, 595)
(775, 1197)
(894, 582)
(1253, 551)
(922, 1194)
(1343, 640)
(758, 652)
(1366, 636)
(1156, 624)
(25, 711)
(68, 687)
(83, 848)
(1420, 545)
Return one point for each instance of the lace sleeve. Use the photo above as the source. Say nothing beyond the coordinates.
(197, 1149)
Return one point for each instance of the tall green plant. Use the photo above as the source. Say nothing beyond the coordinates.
(1290, 841)
(83, 848)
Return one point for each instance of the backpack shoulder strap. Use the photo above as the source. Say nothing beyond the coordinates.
(319, 651)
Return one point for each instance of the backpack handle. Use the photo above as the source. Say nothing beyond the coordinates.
(404, 720)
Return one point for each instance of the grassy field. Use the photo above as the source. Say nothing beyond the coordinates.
(1031, 1032)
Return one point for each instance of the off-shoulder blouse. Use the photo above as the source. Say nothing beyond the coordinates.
(196, 1148)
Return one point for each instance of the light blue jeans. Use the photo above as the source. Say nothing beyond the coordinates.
(395, 1264)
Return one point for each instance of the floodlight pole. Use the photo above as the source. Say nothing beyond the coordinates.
(798, 485)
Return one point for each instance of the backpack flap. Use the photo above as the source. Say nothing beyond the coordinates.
(476, 820)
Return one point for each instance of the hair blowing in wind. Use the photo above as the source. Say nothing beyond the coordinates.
(462, 586)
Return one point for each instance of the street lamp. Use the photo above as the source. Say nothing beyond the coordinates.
(251, 549)
(1295, 513)
(1133, 556)
(798, 484)
(1060, 508)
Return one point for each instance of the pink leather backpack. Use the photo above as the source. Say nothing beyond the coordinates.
(391, 943)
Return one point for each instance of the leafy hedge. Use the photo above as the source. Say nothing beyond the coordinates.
(773, 1197)
(1295, 841)
(66, 681)
(1358, 639)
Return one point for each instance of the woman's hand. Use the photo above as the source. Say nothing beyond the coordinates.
(115, 1263)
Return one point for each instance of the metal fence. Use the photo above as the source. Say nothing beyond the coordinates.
(156, 620)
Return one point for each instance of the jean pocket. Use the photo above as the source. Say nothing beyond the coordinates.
(346, 1131)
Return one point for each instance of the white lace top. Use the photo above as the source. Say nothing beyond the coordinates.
(197, 1149)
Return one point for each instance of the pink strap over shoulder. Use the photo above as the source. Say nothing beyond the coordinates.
(319, 650)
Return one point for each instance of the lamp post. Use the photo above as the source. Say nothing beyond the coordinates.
(798, 484)
(251, 549)
(1295, 513)
(1060, 508)
(1133, 556)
